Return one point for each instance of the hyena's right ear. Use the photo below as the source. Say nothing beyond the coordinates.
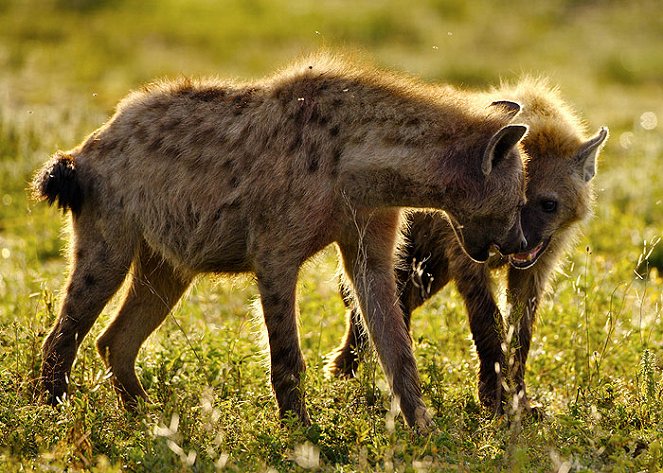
(500, 145)
(512, 108)
(586, 156)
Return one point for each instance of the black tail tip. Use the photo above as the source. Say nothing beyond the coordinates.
(58, 183)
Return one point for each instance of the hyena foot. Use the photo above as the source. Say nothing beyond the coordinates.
(58, 355)
(343, 363)
(290, 399)
(417, 417)
(131, 401)
(54, 387)
(495, 398)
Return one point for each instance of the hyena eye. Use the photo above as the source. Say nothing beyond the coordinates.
(549, 206)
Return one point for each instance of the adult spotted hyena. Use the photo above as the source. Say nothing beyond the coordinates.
(562, 163)
(192, 177)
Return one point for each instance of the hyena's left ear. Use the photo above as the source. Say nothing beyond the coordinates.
(511, 108)
(586, 156)
(500, 145)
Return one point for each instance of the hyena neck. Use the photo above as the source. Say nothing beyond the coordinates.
(412, 153)
(425, 168)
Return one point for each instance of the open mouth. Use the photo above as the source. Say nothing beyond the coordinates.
(526, 259)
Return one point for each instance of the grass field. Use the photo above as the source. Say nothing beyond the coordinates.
(597, 355)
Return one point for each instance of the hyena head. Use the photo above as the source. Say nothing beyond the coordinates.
(561, 165)
(559, 194)
(489, 215)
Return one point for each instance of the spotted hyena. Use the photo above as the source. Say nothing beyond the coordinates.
(193, 177)
(562, 163)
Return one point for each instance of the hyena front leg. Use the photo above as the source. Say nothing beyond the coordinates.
(155, 289)
(99, 267)
(525, 288)
(277, 285)
(367, 250)
(417, 280)
(474, 285)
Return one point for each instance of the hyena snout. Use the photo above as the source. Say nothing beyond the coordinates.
(514, 241)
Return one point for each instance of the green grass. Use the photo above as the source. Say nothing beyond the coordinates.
(597, 359)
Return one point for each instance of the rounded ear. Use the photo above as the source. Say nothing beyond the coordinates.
(511, 108)
(586, 156)
(500, 145)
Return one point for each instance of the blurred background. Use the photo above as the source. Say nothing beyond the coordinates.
(596, 363)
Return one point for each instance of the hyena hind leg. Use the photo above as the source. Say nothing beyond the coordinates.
(344, 360)
(155, 289)
(98, 269)
(277, 284)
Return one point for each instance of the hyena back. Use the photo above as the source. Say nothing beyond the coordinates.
(561, 165)
(194, 177)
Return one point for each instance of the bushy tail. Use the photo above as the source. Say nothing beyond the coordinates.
(58, 183)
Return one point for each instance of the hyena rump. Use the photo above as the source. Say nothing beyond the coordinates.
(193, 177)
(561, 165)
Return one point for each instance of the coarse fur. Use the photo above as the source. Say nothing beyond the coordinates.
(193, 177)
(562, 162)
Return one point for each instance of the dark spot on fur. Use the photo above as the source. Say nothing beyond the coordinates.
(234, 182)
(336, 157)
(313, 161)
(241, 100)
(89, 280)
(336, 103)
(168, 124)
(333, 131)
(171, 151)
(207, 94)
(413, 122)
(295, 144)
(203, 136)
(107, 146)
(234, 205)
(155, 145)
(80, 254)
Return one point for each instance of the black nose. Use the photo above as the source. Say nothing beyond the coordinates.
(523, 243)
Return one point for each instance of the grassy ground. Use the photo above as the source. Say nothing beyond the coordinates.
(597, 358)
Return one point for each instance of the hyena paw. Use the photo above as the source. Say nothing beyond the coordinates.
(423, 424)
(342, 364)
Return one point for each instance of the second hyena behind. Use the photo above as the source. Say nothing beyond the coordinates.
(560, 169)
(191, 177)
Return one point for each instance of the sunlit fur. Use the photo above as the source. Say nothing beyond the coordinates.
(197, 176)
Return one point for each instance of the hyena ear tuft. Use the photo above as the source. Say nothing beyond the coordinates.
(511, 108)
(500, 145)
(589, 151)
